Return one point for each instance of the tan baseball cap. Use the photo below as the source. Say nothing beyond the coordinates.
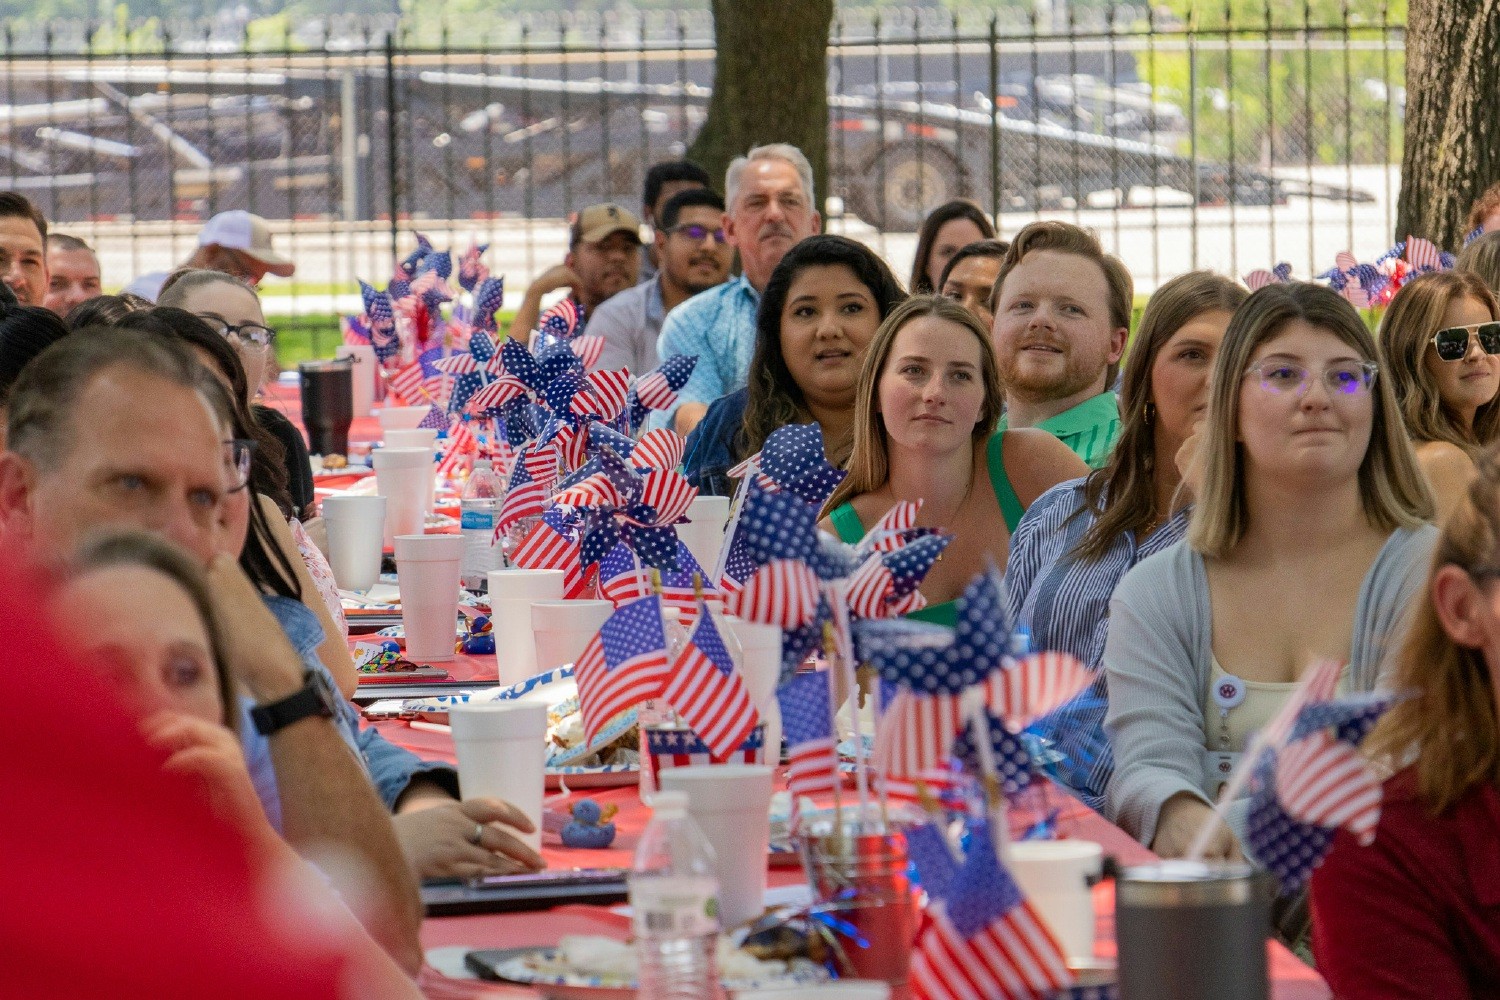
(594, 223)
(239, 230)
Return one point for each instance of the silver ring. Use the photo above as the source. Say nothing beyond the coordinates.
(477, 835)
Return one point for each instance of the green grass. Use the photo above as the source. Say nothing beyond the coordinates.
(306, 337)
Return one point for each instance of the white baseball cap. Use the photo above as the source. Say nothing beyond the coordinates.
(239, 230)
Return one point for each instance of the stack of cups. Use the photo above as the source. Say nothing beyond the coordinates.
(393, 418)
(563, 628)
(704, 533)
(731, 803)
(427, 569)
(502, 754)
(1057, 876)
(512, 592)
(760, 665)
(356, 533)
(405, 477)
(412, 437)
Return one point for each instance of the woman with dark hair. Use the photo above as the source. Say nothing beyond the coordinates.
(1080, 538)
(232, 307)
(104, 310)
(1415, 914)
(948, 228)
(25, 332)
(969, 277)
(817, 314)
(928, 401)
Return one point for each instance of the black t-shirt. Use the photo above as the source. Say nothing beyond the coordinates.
(298, 466)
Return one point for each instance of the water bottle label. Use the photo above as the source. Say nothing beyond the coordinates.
(669, 906)
(471, 520)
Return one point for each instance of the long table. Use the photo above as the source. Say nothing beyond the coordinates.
(1291, 978)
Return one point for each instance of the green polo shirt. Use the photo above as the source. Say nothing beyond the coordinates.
(1090, 428)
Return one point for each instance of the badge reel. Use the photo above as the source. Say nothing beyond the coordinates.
(1228, 693)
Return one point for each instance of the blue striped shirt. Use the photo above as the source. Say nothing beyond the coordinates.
(1064, 603)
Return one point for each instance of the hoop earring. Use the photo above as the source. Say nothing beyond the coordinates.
(1148, 413)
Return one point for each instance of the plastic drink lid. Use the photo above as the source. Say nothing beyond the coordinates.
(669, 805)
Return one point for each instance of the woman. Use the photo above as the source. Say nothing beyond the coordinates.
(817, 314)
(232, 308)
(1417, 914)
(948, 228)
(928, 401)
(1440, 338)
(969, 277)
(1079, 539)
(1482, 257)
(25, 332)
(104, 310)
(162, 630)
(1307, 541)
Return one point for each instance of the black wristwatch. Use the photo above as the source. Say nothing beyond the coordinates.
(316, 698)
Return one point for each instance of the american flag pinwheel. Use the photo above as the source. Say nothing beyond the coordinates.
(1260, 277)
(471, 370)
(380, 320)
(1304, 791)
(471, 269)
(408, 266)
(1359, 283)
(621, 504)
(658, 389)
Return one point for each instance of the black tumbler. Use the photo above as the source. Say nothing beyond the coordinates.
(1192, 931)
(327, 404)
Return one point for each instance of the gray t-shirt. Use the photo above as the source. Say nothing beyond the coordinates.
(1159, 655)
(630, 323)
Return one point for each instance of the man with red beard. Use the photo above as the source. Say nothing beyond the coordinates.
(1062, 315)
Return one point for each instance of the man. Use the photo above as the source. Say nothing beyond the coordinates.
(23, 249)
(603, 260)
(74, 273)
(152, 458)
(695, 256)
(771, 207)
(235, 242)
(663, 181)
(1062, 315)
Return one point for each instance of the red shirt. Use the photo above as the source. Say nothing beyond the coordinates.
(1416, 914)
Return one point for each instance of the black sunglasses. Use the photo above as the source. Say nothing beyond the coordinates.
(1453, 343)
(698, 233)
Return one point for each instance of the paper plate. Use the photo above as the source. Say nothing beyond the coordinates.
(538, 968)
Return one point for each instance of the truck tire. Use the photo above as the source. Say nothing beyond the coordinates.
(901, 184)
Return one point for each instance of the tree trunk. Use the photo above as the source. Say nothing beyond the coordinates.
(770, 83)
(1452, 116)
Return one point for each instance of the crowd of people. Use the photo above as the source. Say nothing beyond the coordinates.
(1198, 503)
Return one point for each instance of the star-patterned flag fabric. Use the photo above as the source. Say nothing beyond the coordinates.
(435, 420)
(683, 748)
(482, 350)
(471, 269)
(1301, 793)
(984, 939)
(622, 666)
(622, 579)
(793, 459)
(807, 724)
(708, 692)
(1012, 761)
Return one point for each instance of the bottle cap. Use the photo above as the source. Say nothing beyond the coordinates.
(667, 805)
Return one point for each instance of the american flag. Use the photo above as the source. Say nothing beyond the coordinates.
(1318, 684)
(657, 389)
(622, 666)
(1012, 761)
(1029, 688)
(407, 383)
(622, 579)
(588, 350)
(608, 390)
(435, 420)
(941, 785)
(565, 320)
(481, 350)
(886, 583)
(1315, 784)
(984, 939)
(784, 592)
(708, 692)
(550, 546)
(683, 748)
(525, 495)
(461, 441)
(807, 724)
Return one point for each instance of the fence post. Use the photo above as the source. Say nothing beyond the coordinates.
(391, 138)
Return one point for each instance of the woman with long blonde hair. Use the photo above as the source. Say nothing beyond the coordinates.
(1417, 913)
(1308, 540)
(1441, 336)
(925, 412)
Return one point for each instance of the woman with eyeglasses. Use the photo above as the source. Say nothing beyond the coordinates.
(1440, 338)
(1416, 914)
(1308, 541)
(232, 308)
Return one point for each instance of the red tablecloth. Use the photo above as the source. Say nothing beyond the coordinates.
(1291, 978)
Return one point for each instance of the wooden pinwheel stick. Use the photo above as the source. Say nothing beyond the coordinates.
(977, 712)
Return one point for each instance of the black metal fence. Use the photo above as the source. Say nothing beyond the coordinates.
(1229, 141)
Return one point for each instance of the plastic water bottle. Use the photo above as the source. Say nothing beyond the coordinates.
(674, 901)
(478, 509)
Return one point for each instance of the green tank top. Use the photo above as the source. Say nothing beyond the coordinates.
(847, 525)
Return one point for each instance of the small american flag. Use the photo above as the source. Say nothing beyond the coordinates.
(622, 579)
(683, 748)
(588, 350)
(807, 723)
(1029, 688)
(622, 666)
(525, 496)
(549, 546)
(436, 419)
(461, 441)
(606, 393)
(984, 939)
(657, 389)
(708, 692)
(942, 785)
(407, 383)
(564, 320)
(658, 449)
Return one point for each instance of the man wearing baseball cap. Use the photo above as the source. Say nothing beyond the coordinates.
(234, 242)
(603, 259)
